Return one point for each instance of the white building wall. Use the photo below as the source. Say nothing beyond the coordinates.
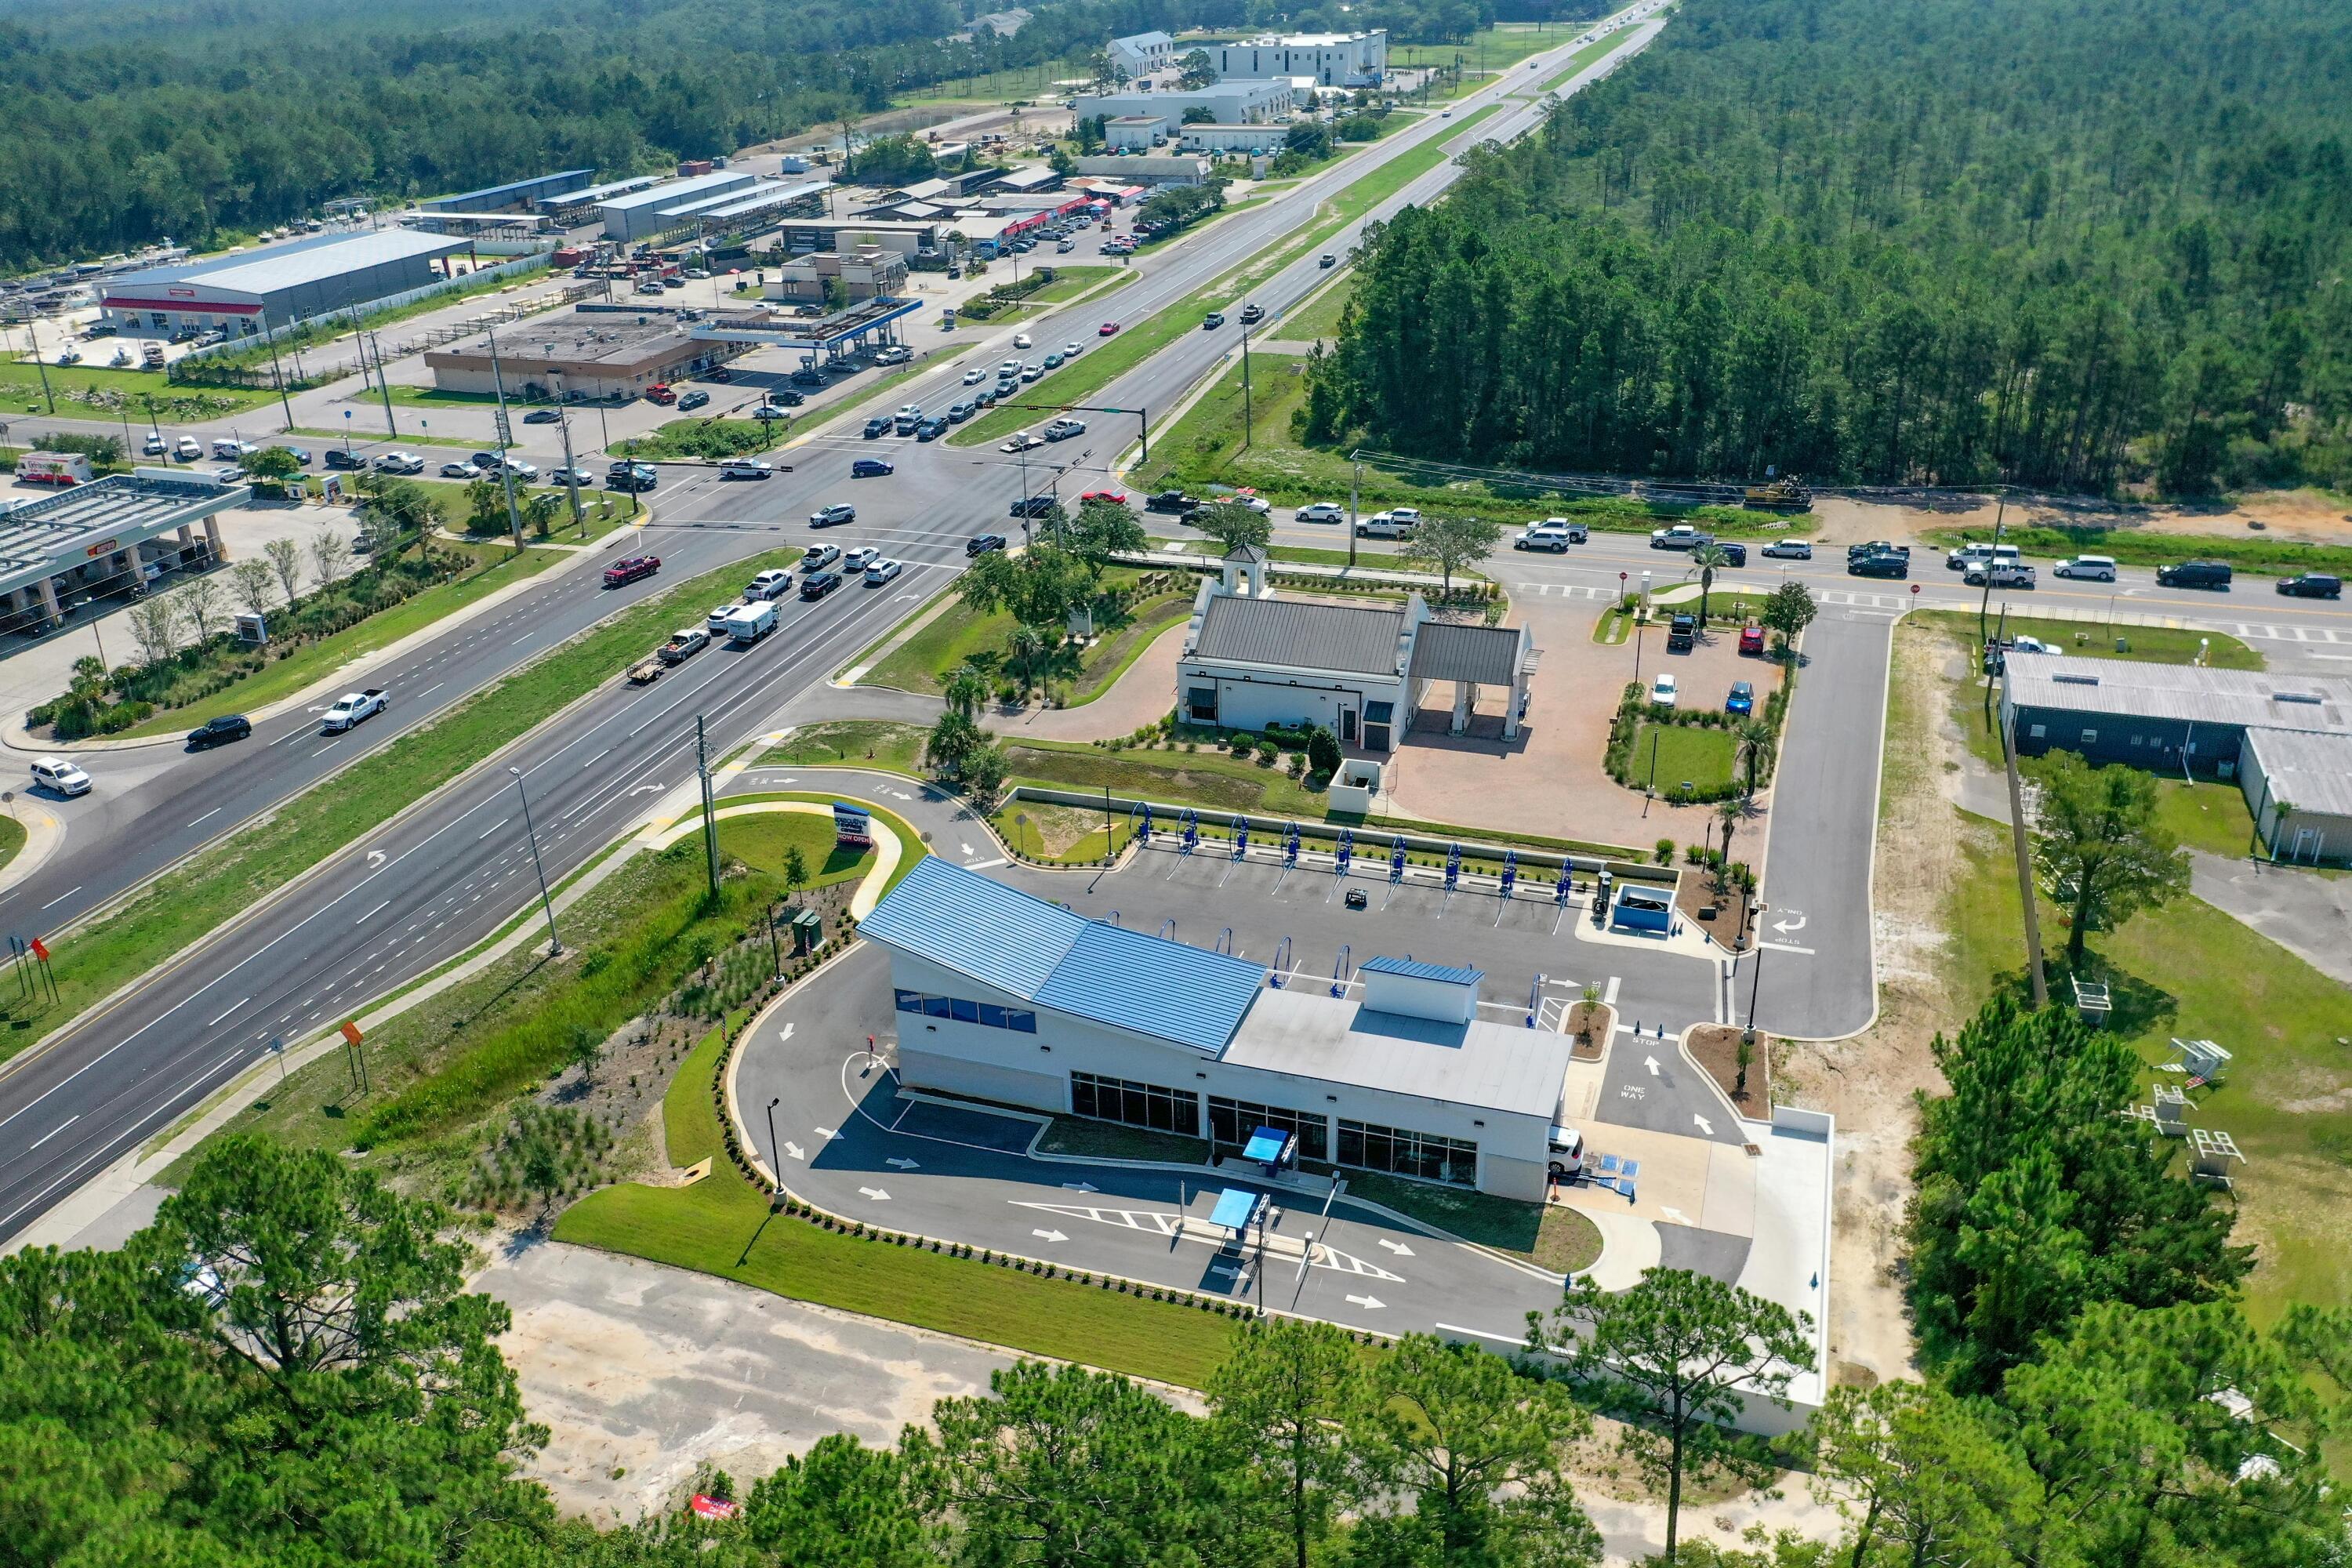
(1033, 1070)
(1249, 699)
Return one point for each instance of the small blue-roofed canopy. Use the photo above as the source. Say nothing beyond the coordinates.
(1265, 1145)
(1037, 949)
(1235, 1209)
(1448, 974)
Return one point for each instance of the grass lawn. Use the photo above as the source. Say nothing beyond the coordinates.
(2205, 815)
(11, 837)
(2146, 645)
(924, 662)
(314, 661)
(176, 910)
(1483, 55)
(1318, 317)
(1686, 754)
(357, 433)
(849, 744)
(1068, 283)
(100, 391)
(761, 841)
(720, 1225)
(1586, 56)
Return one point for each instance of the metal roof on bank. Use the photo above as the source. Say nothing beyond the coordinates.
(1451, 975)
(1301, 633)
(1014, 942)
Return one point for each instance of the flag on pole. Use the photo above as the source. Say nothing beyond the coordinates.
(40, 950)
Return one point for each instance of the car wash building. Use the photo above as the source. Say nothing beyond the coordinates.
(1007, 997)
(1366, 672)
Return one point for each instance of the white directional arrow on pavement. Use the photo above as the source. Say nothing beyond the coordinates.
(1049, 1235)
(826, 1132)
(877, 1194)
(787, 1034)
(1399, 1247)
(795, 1150)
(1651, 1063)
(1369, 1303)
(966, 848)
(903, 1164)
(1676, 1215)
(1703, 1125)
(375, 858)
(1785, 927)
(646, 789)
(1081, 1187)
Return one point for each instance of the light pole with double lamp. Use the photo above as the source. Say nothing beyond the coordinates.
(1756, 911)
(554, 944)
(775, 1157)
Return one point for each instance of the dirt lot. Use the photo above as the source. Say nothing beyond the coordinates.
(2314, 516)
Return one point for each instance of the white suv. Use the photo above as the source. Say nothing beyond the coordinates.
(1322, 512)
(61, 774)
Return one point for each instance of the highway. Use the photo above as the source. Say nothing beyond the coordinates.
(438, 878)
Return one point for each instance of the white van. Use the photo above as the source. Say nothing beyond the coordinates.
(770, 586)
(749, 623)
(1969, 556)
(2097, 568)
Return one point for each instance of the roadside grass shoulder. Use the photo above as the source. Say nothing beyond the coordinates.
(722, 1225)
(925, 661)
(179, 909)
(2098, 639)
(12, 838)
(1549, 1236)
(1586, 56)
(1318, 317)
(315, 661)
(692, 437)
(851, 743)
(353, 433)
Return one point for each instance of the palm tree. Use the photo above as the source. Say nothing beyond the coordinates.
(967, 688)
(1757, 747)
(1028, 645)
(1730, 812)
(1708, 558)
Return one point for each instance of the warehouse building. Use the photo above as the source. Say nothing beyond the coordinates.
(1332, 59)
(650, 210)
(588, 356)
(576, 209)
(1141, 54)
(1365, 672)
(516, 196)
(1230, 102)
(1150, 168)
(1007, 997)
(2285, 740)
(279, 286)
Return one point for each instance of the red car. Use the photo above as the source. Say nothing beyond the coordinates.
(1107, 329)
(1117, 497)
(629, 568)
(1751, 640)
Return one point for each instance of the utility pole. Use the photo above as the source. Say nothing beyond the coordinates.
(278, 373)
(382, 385)
(554, 946)
(570, 472)
(1248, 420)
(1355, 481)
(2024, 862)
(506, 439)
(710, 816)
(2001, 512)
(33, 348)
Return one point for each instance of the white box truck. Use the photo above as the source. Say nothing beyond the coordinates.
(749, 623)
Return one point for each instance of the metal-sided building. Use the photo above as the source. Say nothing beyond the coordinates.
(1232, 102)
(2162, 717)
(282, 285)
(1333, 60)
(110, 536)
(515, 195)
(1007, 997)
(2298, 785)
(640, 214)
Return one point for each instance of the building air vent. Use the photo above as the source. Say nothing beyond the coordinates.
(2314, 698)
(2076, 679)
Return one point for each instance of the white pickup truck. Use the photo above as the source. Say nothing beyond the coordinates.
(350, 708)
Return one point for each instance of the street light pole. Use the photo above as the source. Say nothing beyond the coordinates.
(776, 1152)
(1248, 422)
(555, 943)
(1756, 976)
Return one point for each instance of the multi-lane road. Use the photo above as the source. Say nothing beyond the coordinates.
(441, 876)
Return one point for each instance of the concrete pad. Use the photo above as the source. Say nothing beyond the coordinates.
(1579, 1091)
(1730, 1203)
(1629, 1247)
(1791, 1261)
(1672, 1185)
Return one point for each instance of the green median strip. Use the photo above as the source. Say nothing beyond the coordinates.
(720, 1225)
(179, 909)
(1587, 54)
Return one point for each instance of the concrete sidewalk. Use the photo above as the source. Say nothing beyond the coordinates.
(2308, 914)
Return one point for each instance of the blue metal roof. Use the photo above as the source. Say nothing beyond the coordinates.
(1449, 974)
(1167, 989)
(1235, 1209)
(1031, 948)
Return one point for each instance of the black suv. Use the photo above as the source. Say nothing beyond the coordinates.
(1734, 554)
(1032, 506)
(2313, 586)
(982, 543)
(817, 585)
(2195, 574)
(345, 459)
(217, 731)
(1880, 566)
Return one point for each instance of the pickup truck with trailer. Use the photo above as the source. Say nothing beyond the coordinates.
(351, 708)
(746, 624)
